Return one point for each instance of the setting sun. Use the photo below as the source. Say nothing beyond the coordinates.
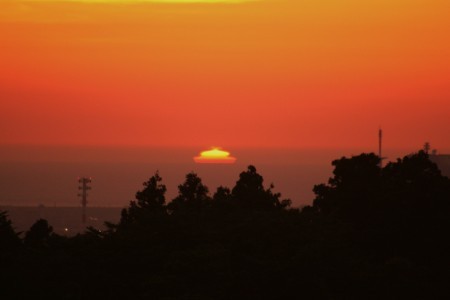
(215, 156)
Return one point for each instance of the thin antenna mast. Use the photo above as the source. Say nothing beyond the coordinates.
(380, 147)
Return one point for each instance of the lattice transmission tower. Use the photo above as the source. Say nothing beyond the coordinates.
(84, 188)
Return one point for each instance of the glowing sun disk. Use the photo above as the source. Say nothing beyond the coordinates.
(216, 156)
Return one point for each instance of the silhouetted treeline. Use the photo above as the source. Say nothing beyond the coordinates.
(370, 233)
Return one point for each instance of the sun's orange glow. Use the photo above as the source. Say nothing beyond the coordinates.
(272, 73)
(215, 156)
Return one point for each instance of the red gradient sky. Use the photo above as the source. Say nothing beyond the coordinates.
(274, 73)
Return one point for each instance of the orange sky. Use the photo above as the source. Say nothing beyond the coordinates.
(274, 73)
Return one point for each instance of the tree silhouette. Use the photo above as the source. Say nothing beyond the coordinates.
(416, 189)
(192, 195)
(149, 201)
(371, 233)
(407, 188)
(353, 189)
(223, 200)
(398, 210)
(223, 194)
(39, 234)
(8, 237)
(249, 193)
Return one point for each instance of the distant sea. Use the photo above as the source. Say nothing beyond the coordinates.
(114, 184)
(45, 179)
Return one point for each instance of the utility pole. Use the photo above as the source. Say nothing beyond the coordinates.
(84, 187)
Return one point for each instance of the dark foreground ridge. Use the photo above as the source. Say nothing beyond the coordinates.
(371, 233)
